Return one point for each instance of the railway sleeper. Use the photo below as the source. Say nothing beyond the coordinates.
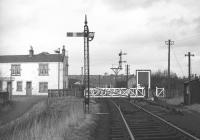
(116, 131)
(128, 112)
(144, 123)
(117, 137)
(150, 132)
(136, 121)
(148, 127)
(141, 117)
(163, 138)
(158, 135)
(164, 129)
(153, 131)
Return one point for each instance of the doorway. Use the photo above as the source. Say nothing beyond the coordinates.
(9, 88)
(28, 88)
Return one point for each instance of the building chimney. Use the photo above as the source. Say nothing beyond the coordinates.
(63, 50)
(31, 52)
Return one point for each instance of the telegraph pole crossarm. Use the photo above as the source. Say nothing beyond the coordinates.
(189, 65)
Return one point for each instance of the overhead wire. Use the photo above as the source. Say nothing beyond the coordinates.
(194, 36)
(177, 61)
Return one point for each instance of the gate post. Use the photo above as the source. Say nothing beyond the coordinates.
(146, 91)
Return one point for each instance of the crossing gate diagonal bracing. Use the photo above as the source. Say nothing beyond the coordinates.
(160, 92)
(116, 92)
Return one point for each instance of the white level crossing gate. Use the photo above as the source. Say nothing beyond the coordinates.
(116, 92)
(160, 92)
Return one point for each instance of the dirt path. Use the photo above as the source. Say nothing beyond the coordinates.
(18, 106)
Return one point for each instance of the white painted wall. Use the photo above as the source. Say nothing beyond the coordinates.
(30, 72)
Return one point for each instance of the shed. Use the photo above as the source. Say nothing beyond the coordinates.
(192, 92)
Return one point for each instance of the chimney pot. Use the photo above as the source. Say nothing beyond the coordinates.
(63, 50)
(31, 52)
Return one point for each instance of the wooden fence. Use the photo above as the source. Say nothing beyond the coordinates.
(65, 92)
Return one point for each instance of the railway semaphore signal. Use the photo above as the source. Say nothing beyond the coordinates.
(117, 69)
(88, 36)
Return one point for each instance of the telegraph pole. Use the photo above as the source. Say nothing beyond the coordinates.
(189, 65)
(169, 43)
(189, 71)
(127, 73)
(81, 75)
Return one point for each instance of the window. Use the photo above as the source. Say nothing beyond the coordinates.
(15, 69)
(43, 69)
(43, 87)
(19, 85)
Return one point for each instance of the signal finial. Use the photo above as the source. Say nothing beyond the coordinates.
(86, 19)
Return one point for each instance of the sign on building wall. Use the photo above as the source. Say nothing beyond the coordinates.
(143, 78)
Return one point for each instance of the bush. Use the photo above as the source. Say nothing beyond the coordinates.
(160, 80)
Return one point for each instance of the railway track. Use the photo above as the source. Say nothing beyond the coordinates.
(141, 124)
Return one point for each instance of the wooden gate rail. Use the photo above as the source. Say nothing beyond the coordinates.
(116, 92)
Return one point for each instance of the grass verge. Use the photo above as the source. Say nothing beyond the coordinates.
(53, 119)
(175, 101)
(194, 107)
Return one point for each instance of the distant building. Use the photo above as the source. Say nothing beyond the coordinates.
(191, 91)
(132, 81)
(103, 81)
(33, 74)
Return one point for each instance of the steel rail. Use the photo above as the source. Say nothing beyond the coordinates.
(126, 124)
(170, 124)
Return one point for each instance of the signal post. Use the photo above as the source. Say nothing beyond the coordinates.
(88, 36)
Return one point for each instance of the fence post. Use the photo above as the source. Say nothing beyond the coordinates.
(156, 91)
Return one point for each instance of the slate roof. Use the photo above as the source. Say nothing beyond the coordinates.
(34, 58)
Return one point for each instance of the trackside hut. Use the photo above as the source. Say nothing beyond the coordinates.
(33, 74)
(192, 92)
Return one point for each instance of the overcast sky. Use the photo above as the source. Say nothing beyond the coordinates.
(137, 27)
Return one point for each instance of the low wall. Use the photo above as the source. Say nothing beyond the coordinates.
(65, 92)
